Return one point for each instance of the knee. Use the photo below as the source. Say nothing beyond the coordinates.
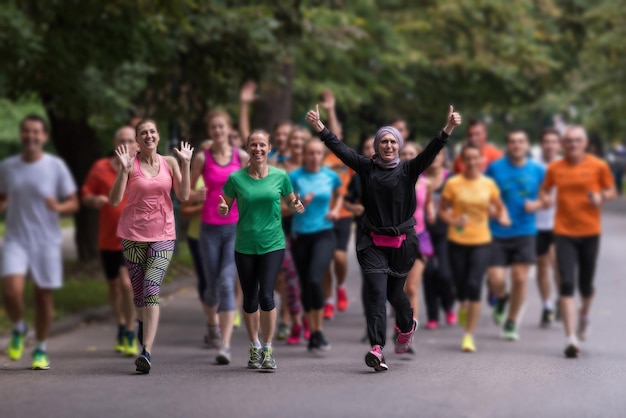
(473, 292)
(266, 301)
(586, 290)
(566, 288)
(250, 304)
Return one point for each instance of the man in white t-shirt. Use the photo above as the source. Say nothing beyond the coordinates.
(550, 147)
(36, 188)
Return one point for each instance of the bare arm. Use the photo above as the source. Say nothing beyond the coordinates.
(246, 96)
(294, 203)
(501, 214)
(333, 215)
(68, 206)
(446, 215)
(328, 105)
(429, 204)
(126, 167)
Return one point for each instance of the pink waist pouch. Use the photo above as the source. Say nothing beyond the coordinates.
(387, 241)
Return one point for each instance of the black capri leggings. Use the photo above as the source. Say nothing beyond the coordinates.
(469, 264)
(257, 274)
(572, 252)
(312, 254)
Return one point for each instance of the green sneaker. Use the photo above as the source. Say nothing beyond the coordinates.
(15, 350)
(283, 332)
(509, 332)
(462, 317)
(40, 360)
(499, 311)
(254, 362)
(130, 345)
(268, 362)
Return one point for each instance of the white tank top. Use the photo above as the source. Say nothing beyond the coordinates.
(545, 217)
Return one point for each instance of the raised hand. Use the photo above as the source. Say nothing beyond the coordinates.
(222, 207)
(248, 92)
(124, 157)
(313, 118)
(185, 153)
(454, 120)
(328, 98)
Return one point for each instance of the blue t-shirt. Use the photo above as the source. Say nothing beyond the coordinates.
(517, 184)
(322, 185)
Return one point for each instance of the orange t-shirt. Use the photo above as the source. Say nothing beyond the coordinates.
(100, 181)
(345, 173)
(490, 154)
(575, 214)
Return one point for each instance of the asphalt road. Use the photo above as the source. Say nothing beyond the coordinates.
(528, 378)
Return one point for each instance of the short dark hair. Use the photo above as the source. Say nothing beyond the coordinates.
(549, 131)
(282, 123)
(515, 131)
(33, 117)
(468, 146)
(475, 122)
(397, 119)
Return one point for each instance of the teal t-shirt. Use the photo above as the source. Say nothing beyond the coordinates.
(322, 185)
(259, 229)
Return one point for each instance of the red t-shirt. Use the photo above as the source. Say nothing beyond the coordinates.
(100, 181)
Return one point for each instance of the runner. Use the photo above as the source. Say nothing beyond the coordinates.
(314, 238)
(147, 223)
(343, 225)
(280, 150)
(465, 207)
(401, 125)
(438, 283)
(550, 146)
(519, 179)
(477, 135)
(36, 188)
(217, 233)
(387, 245)
(260, 241)
(582, 182)
(95, 194)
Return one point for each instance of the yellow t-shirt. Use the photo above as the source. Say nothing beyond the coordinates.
(193, 230)
(472, 198)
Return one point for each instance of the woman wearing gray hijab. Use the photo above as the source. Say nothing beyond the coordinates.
(387, 245)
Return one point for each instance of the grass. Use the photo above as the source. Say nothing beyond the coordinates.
(85, 287)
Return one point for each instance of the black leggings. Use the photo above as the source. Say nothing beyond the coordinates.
(572, 252)
(469, 264)
(257, 274)
(438, 284)
(312, 254)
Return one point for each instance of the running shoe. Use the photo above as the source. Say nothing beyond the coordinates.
(547, 317)
(462, 317)
(15, 350)
(451, 318)
(329, 311)
(509, 332)
(376, 360)
(342, 299)
(319, 343)
(404, 341)
(237, 320)
(214, 337)
(583, 328)
(142, 362)
(432, 325)
(130, 345)
(120, 344)
(268, 362)
(295, 335)
(312, 346)
(254, 361)
(467, 345)
(571, 351)
(282, 332)
(223, 357)
(40, 360)
(307, 330)
(499, 311)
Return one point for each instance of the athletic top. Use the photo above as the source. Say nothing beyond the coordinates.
(322, 184)
(489, 152)
(100, 181)
(438, 228)
(517, 184)
(421, 190)
(576, 216)
(388, 194)
(27, 185)
(149, 213)
(193, 229)
(345, 175)
(215, 177)
(545, 217)
(276, 158)
(472, 198)
(259, 230)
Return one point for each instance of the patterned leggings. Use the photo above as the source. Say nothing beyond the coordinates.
(147, 263)
(292, 283)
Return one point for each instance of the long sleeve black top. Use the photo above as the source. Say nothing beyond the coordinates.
(388, 194)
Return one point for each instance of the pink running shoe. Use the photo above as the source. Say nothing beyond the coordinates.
(296, 333)
(432, 325)
(451, 318)
(307, 331)
(375, 359)
(405, 339)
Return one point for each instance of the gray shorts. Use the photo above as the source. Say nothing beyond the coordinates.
(44, 263)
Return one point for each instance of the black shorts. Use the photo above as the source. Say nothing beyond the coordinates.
(343, 229)
(507, 251)
(544, 240)
(111, 263)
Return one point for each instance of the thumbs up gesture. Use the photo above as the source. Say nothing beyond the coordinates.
(223, 207)
(454, 120)
(313, 118)
(296, 204)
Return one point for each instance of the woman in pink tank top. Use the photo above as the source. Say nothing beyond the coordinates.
(217, 233)
(147, 226)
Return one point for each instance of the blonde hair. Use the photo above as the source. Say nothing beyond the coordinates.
(299, 129)
(218, 113)
(311, 141)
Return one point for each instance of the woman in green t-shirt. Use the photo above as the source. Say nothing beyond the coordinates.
(260, 242)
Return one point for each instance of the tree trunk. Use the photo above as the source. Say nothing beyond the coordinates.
(274, 106)
(76, 142)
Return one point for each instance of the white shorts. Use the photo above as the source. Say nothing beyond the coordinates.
(44, 263)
